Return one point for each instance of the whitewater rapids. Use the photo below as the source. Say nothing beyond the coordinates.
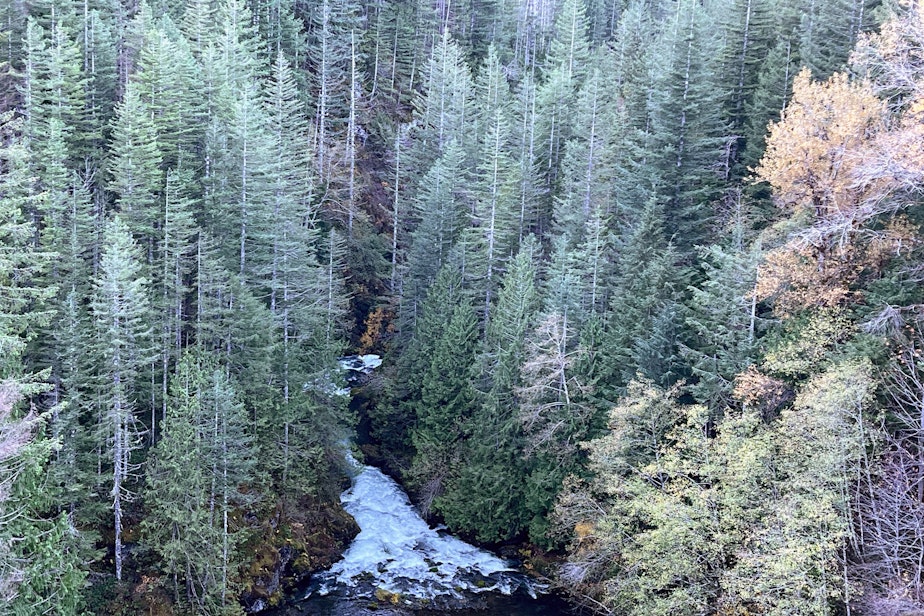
(397, 552)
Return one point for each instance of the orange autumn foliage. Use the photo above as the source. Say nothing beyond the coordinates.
(760, 392)
(838, 160)
(814, 150)
(377, 326)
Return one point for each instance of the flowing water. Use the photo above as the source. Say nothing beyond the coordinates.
(399, 565)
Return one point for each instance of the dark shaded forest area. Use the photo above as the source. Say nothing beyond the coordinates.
(646, 275)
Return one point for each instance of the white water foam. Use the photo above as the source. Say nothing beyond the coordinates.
(397, 552)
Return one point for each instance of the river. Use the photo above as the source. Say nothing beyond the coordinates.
(398, 565)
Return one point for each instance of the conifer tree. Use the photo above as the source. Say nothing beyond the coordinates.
(444, 106)
(644, 314)
(587, 168)
(177, 255)
(687, 143)
(721, 322)
(331, 38)
(524, 126)
(394, 428)
(486, 497)
(121, 313)
(440, 207)
(204, 456)
(39, 564)
(565, 66)
(20, 261)
(495, 183)
(168, 81)
(54, 85)
(45, 547)
(750, 35)
(239, 185)
(136, 173)
(555, 415)
(447, 400)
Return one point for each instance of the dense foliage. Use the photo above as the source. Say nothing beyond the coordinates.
(647, 276)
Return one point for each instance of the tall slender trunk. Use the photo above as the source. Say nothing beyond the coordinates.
(351, 135)
(395, 213)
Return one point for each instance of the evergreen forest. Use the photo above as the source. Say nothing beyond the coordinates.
(647, 277)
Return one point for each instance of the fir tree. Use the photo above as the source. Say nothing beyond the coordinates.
(193, 483)
(486, 497)
(687, 143)
(136, 173)
(446, 402)
(121, 312)
(644, 315)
